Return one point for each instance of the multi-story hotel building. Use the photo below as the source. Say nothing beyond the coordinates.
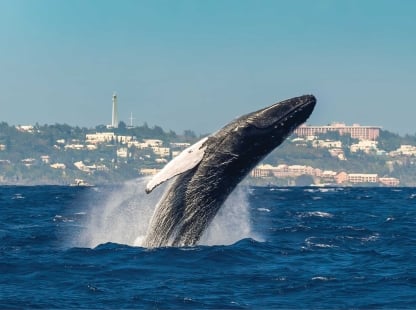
(356, 131)
(362, 178)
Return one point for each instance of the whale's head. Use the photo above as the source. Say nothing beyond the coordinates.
(259, 132)
(282, 117)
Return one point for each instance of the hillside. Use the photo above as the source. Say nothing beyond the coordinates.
(59, 154)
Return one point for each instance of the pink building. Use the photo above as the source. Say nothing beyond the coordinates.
(356, 131)
(363, 178)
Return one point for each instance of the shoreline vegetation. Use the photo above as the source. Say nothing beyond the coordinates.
(61, 154)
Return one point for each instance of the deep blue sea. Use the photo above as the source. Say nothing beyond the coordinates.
(269, 248)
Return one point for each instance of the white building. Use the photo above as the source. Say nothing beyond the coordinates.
(404, 149)
(122, 152)
(28, 161)
(125, 139)
(91, 147)
(45, 159)
(180, 145)
(25, 128)
(284, 171)
(74, 146)
(58, 166)
(161, 151)
(327, 144)
(148, 171)
(367, 146)
(175, 153)
(147, 143)
(338, 153)
(100, 137)
(81, 166)
(389, 181)
(262, 171)
(329, 174)
(153, 142)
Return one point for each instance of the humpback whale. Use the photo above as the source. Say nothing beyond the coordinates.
(208, 171)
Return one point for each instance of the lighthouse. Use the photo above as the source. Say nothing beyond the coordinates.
(114, 118)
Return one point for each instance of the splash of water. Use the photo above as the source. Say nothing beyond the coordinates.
(232, 222)
(121, 217)
(125, 216)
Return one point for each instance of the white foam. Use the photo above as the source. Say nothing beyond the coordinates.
(18, 196)
(232, 223)
(319, 278)
(321, 214)
(316, 214)
(263, 209)
(139, 240)
(125, 215)
(280, 189)
(371, 238)
(309, 242)
(122, 218)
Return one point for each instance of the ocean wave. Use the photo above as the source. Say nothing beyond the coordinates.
(319, 243)
(263, 209)
(279, 189)
(371, 238)
(344, 252)
(316, 214)
(317, 198)
(18, 196)
(321, 278)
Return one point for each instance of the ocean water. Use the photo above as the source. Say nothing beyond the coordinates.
(269, 248)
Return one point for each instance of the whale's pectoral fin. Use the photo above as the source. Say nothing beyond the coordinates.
(185, 161)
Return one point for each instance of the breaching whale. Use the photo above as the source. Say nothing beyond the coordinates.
(208, 171)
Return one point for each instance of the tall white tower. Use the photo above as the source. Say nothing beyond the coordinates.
(114, 119)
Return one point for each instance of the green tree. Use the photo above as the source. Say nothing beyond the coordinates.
(389, 141)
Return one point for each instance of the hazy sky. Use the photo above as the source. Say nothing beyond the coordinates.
(199, 64)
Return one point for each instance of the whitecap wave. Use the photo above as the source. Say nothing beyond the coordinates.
(316, 214)
(371, 238)
(280, 189)
(315, 242)
(263, 209)
(321, 278)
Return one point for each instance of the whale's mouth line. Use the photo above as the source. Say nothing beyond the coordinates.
(282, 121)
(301, 107)
(296, 111)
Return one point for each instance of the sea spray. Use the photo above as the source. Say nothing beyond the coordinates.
(121, 217)
(232, 222)
(123, 214)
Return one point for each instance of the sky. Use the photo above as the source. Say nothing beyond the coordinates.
(189, 64)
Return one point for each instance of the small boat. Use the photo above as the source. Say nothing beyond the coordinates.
(79, 182)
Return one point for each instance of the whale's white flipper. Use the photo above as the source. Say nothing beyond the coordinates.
(185, 161)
